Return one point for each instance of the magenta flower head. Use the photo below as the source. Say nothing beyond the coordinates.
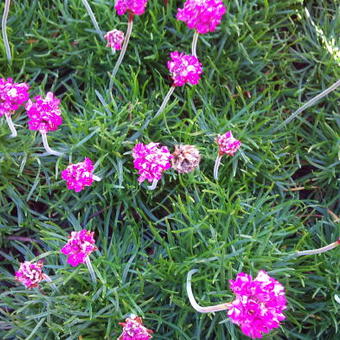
(135, 7)
(227, 144)
(202, 15)
(151, 160)
(30, 274)
(259, 304)
(184, 68)
(133, 329)
(114, 39)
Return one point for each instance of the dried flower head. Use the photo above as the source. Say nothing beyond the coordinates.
(114, 39)
(30, 274)
(136, 7)
(151, 160)
(227, 144)
(186, 158)
(12, 96)
(79, 246)
(133, 329)
(44, 114)
(259, 303)
(202, 15)
(79, 175)
(184, 68)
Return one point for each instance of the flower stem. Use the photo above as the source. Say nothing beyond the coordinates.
(195, 305)
(4, 29)
(93, 18)
(153, 185)
(194, 44)
(47, 147)
(217, 165)
(11, 125)
(90, 268)
(48, 279)
(165, 101)
(96, 178)
(319, 250)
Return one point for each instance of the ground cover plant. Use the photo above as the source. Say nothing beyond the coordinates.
(277, 195)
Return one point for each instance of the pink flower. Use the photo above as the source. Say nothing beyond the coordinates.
(12, 96)
(79, 175)
(184, 68)
(202, 15)
(136, 7)
(44, 114)
(30, 274)
(133, 329)
(151, 160)
(79, 246)
(227, 144)
(114, 39)
(259, 303)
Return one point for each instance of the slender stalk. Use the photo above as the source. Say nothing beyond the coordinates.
(153, 185)
(318, 250)
(90, 268)
(93, 18)
(165, 101)
(11, 125)
(194, 44)
(217, 165)
(47, 147)
(96, 178)
(4, 29)
(195, 305)
(48, 279)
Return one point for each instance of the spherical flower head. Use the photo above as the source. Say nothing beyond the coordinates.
(259, 304)
(136, 7)
(184, 68)
(186, 158)
(133, 329)
(44, 114)
(30, 274)
(114, 39)
(79, 175)
(151, 160)
(12, 96)
(202, 15)
(227, 144)
(79, 246)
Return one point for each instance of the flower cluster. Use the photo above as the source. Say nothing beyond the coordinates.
(259, 303)
(44, 114)
(30, 274)
(79, 175)
(184, 68)
(151, 160)
(133, 329)
(114, 39)
(227, 144)
(202, 15)
(186, 158)
(79, 246)
(12, 96)
(136, 7)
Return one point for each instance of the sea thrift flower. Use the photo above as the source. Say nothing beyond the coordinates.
(114, 39)
(133, 329)
(186, 158)
(12, 96)
(151, 160)
(30, 274)
(79, 175)
(135, 7)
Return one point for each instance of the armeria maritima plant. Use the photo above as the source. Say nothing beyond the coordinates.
(186, 158)
(133, 329)
(115, 39)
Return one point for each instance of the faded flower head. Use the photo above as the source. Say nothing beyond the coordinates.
(79, 246)
(133, 329)
(151, 160)
(12, 96)
(136, 7)
(227, 144)
(30, 274)
(259, 303)
(186, 158)
(114, 39)
(44, 114)
(202, 15)
(79, 175)
(184, 68)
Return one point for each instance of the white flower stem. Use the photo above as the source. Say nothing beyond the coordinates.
(47, 147)
(217, 165)
(153, 185)
(4, 29)
(165, 101)
(93, 18)
(194, 44)
(318, 250)
(48, 279)
(90, 268)
(11, 125)
(96, 178)
(195, 305)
